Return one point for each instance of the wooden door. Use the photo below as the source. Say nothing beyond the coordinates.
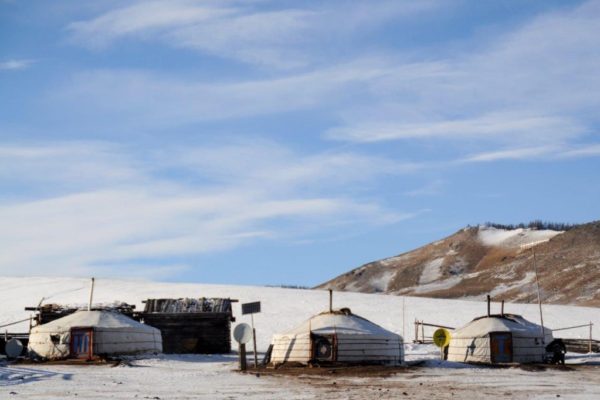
(82, 343)
(501, 347)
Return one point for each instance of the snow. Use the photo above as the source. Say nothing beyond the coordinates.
(513, 238)
(503, 288)
(212, 377)
(431, 271)
(382, 281)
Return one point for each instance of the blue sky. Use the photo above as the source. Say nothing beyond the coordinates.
(285, 142)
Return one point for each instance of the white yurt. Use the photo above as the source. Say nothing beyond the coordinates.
(498, 339)
(338, 337)
(87, 334)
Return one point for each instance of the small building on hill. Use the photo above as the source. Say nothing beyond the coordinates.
(191, 325)
(497, 339)
(337, 336)
(91, 334)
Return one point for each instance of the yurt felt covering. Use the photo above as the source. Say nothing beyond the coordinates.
(473, 343)
(357, 340)
(113, 334)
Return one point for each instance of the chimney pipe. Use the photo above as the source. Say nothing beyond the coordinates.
(330, 300)
(488, 301)
(91, 296)
(502, 308)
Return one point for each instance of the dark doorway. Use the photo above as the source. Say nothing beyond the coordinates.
(82, 343)
(501, 347)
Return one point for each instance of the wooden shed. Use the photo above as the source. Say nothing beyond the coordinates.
(201, 326)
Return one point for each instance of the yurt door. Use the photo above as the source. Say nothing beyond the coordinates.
(81, 343)
(501, 347)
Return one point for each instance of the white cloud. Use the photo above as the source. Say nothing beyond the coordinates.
(155, 99)
(590, 150)
(106, 218)
(15, 64)
(260, 33)
(536, 84)
(508, 126)
(525, 153)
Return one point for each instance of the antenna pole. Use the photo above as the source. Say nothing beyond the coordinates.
(91, 296)
(537, 283)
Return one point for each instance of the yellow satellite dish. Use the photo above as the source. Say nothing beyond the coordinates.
(441, 337)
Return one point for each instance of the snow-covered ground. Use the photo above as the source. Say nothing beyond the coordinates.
(514, 237)
(212, 377)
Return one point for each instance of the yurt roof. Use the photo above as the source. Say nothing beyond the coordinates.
(339, 321)
(103, 319)
(516, 324)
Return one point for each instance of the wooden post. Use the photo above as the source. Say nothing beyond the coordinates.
(254, 342)
(243, 364)
(403, 319)
(416, 331)
(422, 331)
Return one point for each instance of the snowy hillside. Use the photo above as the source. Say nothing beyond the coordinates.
(476, 261)
(282, 309)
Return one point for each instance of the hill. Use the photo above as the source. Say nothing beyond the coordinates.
(479, 260)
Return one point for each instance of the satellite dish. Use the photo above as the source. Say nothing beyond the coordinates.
(242, 333)
(13, 348)
(441, 337)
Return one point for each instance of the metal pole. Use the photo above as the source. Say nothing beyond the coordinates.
(422, 331)
(330, 300)
(590, 346)
(537, 283)
(488, 304)
(91, 296)
(502, 309)
(254, 342)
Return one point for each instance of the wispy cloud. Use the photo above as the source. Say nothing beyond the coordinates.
(591, 150)
(524, 153)
(15, 64)
(551, 152)
(159, 99)
(141, 209)
(507, 126)
(534, 85)
(262, 33)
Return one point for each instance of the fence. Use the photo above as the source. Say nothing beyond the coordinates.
(577, 342)
(420, 328)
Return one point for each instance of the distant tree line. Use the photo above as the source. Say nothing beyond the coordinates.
(288, 286)
(536, 224)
